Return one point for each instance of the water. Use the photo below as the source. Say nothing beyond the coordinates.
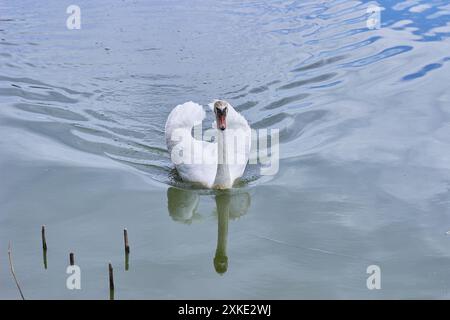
(364, 127)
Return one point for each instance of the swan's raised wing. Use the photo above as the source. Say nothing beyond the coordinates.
(195, 160)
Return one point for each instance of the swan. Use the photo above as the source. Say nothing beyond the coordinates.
(216, 164)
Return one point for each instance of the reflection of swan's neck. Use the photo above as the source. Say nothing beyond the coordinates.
(223, 179)
(223, 211)
(222, 232)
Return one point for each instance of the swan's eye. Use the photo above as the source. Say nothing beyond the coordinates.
(221, 112)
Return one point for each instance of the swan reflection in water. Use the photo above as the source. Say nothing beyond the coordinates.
(230, 204)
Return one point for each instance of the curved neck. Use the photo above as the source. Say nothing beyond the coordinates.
(223, 179)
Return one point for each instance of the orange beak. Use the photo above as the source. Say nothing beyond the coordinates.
(221, 122)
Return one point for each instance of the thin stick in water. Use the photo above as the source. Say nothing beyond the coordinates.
(111, 281)
(11, 266)
(44, 241)
(125, 238)
(44, 257)
(127, 249)
(44, 246)
(71, 259)
(127, 261)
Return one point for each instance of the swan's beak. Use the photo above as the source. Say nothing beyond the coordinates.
(221, 121)
(220, 109)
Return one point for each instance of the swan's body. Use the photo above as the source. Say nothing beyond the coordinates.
(212, 164)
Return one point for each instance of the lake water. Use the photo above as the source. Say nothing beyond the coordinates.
(364, 120)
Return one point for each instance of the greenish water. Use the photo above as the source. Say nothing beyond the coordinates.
(364, 144)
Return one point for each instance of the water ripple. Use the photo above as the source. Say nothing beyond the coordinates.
(386, 53)
(287, 69)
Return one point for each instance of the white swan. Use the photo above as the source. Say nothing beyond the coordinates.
(211, 164)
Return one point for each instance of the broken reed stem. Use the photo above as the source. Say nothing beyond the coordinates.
(71, 259)
(127, 261)
(11, 266)
(44, 246)
(125, 239)
(44, 241)
(111, 276)
(127, 249)
(44, 257)
(111, 281)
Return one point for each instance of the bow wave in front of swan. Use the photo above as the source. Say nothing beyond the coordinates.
(212, 164)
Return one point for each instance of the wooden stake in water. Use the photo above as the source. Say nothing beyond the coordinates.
(44, 241)
(127, 261)
(44, 257)
(44, 246)
(111, 281)
(71, 259)
(125, 239)
(127, 249)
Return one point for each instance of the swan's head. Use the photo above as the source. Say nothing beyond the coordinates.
(220, 110)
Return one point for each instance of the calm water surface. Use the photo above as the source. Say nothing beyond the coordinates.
(364, 119)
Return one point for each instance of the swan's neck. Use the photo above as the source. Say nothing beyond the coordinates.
(223, 178)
